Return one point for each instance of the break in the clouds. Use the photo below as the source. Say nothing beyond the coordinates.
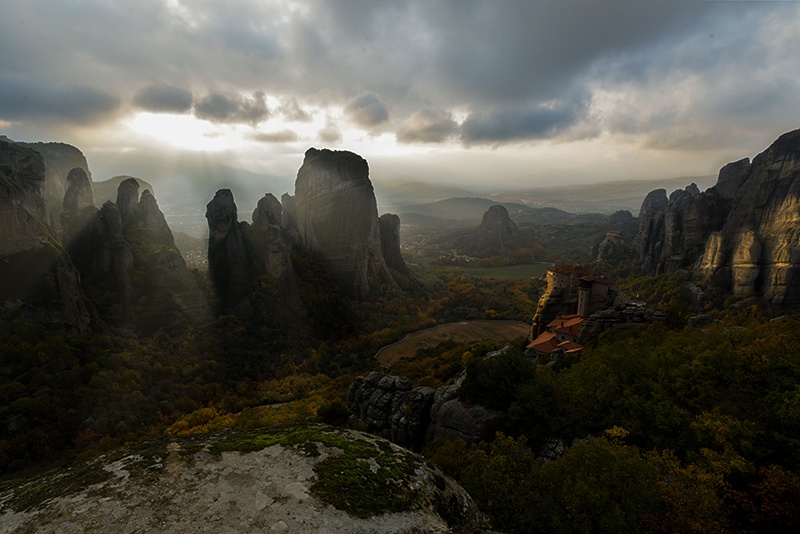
(367, 110)
(163, 99)
(231, 108)
(427, 126)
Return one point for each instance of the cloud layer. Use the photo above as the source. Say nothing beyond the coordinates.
(464, 73)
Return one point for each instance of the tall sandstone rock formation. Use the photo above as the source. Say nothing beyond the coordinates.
(743, 234)
(240, 254)
(128, 248)
(59, 160)
(336, 216)
(36, 273)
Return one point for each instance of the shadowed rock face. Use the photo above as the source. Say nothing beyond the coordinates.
(59, 159)
(336, 216)
(649, 240)
(270, 250)
(390, 242)
(743, 233)
(228, 258)
(102, 243)
(415, 416)
(35, 271)
(496, 234)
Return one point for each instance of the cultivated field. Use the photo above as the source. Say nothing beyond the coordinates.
(460, 332)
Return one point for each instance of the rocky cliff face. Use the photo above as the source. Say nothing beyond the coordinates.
(131, 236)
(240, 254)
(336, 216)
(270, 249)
(743, 234)
(228, 257)
(415, 416)
(59, 160)
(36, 272)
(390, 242)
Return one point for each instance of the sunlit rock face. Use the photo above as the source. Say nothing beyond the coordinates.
(743, 233)
(36, 273)
(336, 216)
(60, 159)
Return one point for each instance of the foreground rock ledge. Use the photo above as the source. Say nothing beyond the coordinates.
(295, 479)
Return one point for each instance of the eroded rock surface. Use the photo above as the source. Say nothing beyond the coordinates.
(414, 416)
(743, 234)
(301, 480)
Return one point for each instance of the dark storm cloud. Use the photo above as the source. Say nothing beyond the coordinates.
(427, 126)
(163, 98)
(520, 123)
(367, 110)
(229, 108)
(22, 99)
(502, 64)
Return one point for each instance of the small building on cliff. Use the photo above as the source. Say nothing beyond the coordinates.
(573, 290)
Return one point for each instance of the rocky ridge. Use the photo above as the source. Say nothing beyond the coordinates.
(742, 235)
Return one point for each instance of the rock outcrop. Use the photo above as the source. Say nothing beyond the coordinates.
(228, 257)
(415, 416)
(127, 248)
(628, 316)
(36, 272)
(336, 216)
(270, 250)
(59, 160)
(743, 234)
(649, 240)
(390, 242)
(240, 253)
(303, 480)
(496, 235)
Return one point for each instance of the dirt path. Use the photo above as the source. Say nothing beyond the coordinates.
(460, 332)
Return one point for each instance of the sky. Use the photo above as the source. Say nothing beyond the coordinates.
(490, 94)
